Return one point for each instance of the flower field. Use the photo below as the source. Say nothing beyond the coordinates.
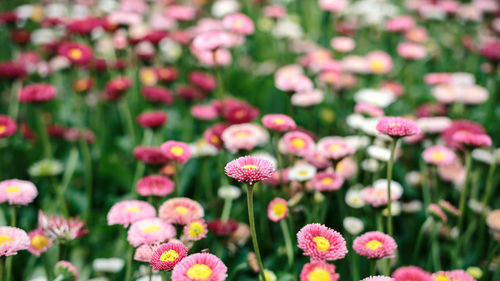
(270, 140)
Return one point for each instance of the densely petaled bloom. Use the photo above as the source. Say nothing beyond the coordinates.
(76, 53)
(374, 245)
(12, 239)
(180, 210)
(60, 228)
(212, 40)
(460, 126)
(176, 151)
(150, 231)
(144, 252)
(39, 242)
(166, 256)
(397, 127)
(277, 209)
(411, 273)
(278, 122)
(37, 93)
(201, 266)
(238, 23)
(7, 126)
(327, 181)
(244, 137)
(453, 275)
(298, 143)
(128, 212)
(321, 243)
(155, 185)
(438, 155)
(379, 62)
(116, 87)
(319, 271)
(334, 148)
(249, 169)
(152, 119)
(471, 140)
(17, 192)
(378, 278)
(149, 155)
(195, 230)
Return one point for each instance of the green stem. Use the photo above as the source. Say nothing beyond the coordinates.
(13, 217)
(435, 246)
(128, 269)
(373, 267)
(420, 237)
(150, 273)
(378, 218)
(127, 119)
(355, 267)
(2, 267)
(288, 242)
(60, 196)
(176, 179)
(389, 180)
(226, 210)
(46, 266)
(463, 199)
(251, 220)
(487, 193)
(42, 130)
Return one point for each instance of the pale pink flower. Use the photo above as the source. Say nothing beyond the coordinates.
(17, 192)
(12, 239)
(471, 140)
(239, 23)
(201, 266)
(342, 44)
(400, 23)
(244, 136)
(167, 256)
(318, 270)
(60, 228)
(212, 40)
(307, 98)
(277, 209)
(374, 245)
(438, 155)
(144, 252)
(195, 230)
(39, 242)
(181, 210)
(298, 143)
(397, 127)
(150, 231)
(333, 5)
(379, 62)
(278, 122)
(128, 212)
(411, 51)
(368, 109)
(176, 151)
(334, 148)
(377, 197)
(180, 12)
(327, 181)
(155, 185)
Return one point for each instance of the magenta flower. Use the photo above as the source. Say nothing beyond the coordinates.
(374, 245)
(197, 267)
(37, 93)
(166, 256)
(249, 169)
(397, 127)
(471, 140)
(7, 126)
(413, 273)
(321, 242)
(17, 192)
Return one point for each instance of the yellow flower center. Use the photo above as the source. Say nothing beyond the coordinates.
(4, 239)
(334, 147)
(321, 243)
(241, 134)
(181, 210)
(441, 277)
(303, 173)
(238, 24)
(195, 229)
(75, 54)
(39, 242)
(326, 181)
(298, 142)
(13, 189)
(374, 245)
(150, 229)
(3, 128)
(81, 85)
(278, 121)
(318, 274)
(148, 77)
(177, 150)
(279, 209)
(250, 167)
(377, 66)
(199, 272)
(132, 209)
(437, 156)
(169, 255)
(215, 139)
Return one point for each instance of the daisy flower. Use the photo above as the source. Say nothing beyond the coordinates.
(249, 169)
(128, 212)
(155, 185)
(318, 271)
(150, 231)
(37, 93)
(411, 273)
(244, 136)
(278, 122)
(334, 148)
(39, 242)
(297, 143)
(376, 197)
(378, 278)
(277, 209)
(238, 23)
(17, 192)
(302, 172)
(397, 127)
(455, 275)
(321, 243)
(201, 266)
(438, 155)
(374, 245)
(144, 252)
(149, 155)
(176, 151)
(471, 140)
(327, 181)
(166, 256)
(61, 228)
(379, 62)
(223, 228)
(7, 126)
(12, 239)
(195, 230)
(353, 225)
(180, 210)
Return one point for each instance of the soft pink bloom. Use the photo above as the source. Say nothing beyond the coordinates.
(204, 112)
(378, 278)
(449, 208)
(180, 210)
(155, 185)
(342, 44)
(278, 177)
(17, 192)
(460, 126)
(166, 256)
(37, 93)
(437, 212)
(454, 173)
(201, 266)
(7, 126)
(471, 140)
(334, 148)
(249, 169)
(298, 143)
(454, 275)
(400, 23)
(333, 5)
(212, 40)
(397, 127)
(379, 62)
(274, 11)
(144, 252)
(220, 56)
(277, 209)
(377, 197)
(438, 155)
(368, 109)
(355, 64)
(347, 168)
(39, 242)
(150, 231)
(327, 181)
(60, 228)
(239, 23)
(411, 51)
(278, 122)
(321, 243)
(176, 151)
(195, 230)
(12, 239)
(66, 266)
(244, 136)
(307, 98)
(318, 271)
(128, 212)
(181, 13)
(416, 34)
(152, 119)
(317, 160)
(411, 273)
(437, 78)
(374, 245)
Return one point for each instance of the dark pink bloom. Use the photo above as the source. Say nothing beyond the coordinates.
(76, 53)
(176, 151)
(152, 119)
(158, 94)
(7, 126)
(155, 185)
(37, 93)
(149, 155)
(116, 87)
(411, 273)
(249, 169)
(204, 81)
(491, 51)
(166, 256)
(471, 140)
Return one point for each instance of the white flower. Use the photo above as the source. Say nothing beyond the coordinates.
(462, 79)
(43, 36)
(369, 127)
(433, 125)
(269, 275)
(230, 192)
(476, 206)
(378, 152)
(412, 206)
(357, 142)
(111, 265)
(266, 156)
(285, 28)
(45, 167)
(55, 10)
(107, 6)
(369, 165)
(155, 277)
(302, 172)
(396, 188)
(413, 177)
(355, 121)
(376, 97)
(353, 225)
(170, 49)
(221, 8)
(395, 209)
(24, 11)
(203, 148)
(353, 198)
(483, 155)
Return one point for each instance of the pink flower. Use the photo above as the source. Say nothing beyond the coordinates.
(236, 111)
(17, 192)
(12, 239)
(116, 87)
(152, 119)
(437, 212)
(334, 148)
(244, 137)
(201, 266)
(397, 127)
(379, 62)
(471, 140)
(202, 80)
(150, 231)
(374, 245)
(327, 181)
(490, 51)
(416, 34)
(155, 185)
(204, 112)
(368, 109)
(144, 252)
(65, 267)
(297, 143)
(176, 151)
(400, 23)
(449, 208)
(37, 93)
(333, 5)
(438, 155)
(149, 155)
(411, 51)
(277, 209)
(181, 13)
(342, 44)
(274, 11)
(212, 40)
(7, 126)
(220, 56)
(180, 210)
(249, 169)
(195, 230)
(454, 275)
(39, 242)
(307, 98)
(60, 228)
(378, 278)
(213, 134)
(318, 270)
(377, 197)
(238, 23)
(158, 94)
(76, 53)
(278, 122)
(411, 273)
(128, 212)
(321, 243)
(168, 255)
